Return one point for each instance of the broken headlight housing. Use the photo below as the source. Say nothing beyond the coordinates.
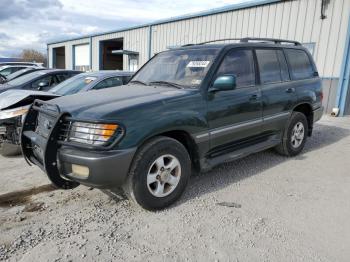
(10, 113)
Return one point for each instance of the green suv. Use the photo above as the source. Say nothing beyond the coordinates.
(192, 107)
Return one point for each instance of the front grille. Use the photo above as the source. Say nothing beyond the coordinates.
(44, 125)
(65, 130)
(2, 130)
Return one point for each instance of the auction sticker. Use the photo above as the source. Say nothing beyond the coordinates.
(198, 63)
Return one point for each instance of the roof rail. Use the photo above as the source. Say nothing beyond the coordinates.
(212, 41)
(274, 40)
(247, 39)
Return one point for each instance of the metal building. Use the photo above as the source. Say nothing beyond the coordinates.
(323, 26)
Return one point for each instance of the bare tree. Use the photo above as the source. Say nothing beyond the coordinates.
(32, 55)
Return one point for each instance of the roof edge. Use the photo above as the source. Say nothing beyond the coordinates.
(228, 8)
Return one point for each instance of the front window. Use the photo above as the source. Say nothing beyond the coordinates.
(239, 63)
(185, 68)
(73, 85)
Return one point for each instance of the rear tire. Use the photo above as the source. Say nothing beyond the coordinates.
(159, 173)
(7, 149)
(294, 136)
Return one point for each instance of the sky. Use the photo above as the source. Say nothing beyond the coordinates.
(33, 23)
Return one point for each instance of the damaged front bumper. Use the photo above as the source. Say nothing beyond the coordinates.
(68, 165)
(10, 130)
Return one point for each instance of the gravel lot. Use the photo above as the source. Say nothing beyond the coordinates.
(277, 209)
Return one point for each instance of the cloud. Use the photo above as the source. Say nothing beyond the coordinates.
(26, 9)
(4, 37)
(33, 23)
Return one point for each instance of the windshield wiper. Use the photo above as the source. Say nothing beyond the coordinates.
(138, 82)
(166, 83)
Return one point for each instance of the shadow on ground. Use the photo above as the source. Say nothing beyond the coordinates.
(235, 171)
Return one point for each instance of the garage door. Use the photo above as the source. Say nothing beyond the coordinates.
(82, 57)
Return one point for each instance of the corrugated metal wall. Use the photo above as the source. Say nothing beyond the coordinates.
(68, 51)
(134, 40)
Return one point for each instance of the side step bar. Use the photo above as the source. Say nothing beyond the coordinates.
(209, 163)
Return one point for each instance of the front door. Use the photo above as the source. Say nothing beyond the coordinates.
(235, 115)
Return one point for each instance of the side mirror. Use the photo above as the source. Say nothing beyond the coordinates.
(43, 84)
(224, 83)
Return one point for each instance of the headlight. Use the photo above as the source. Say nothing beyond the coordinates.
(5, 114)
(94, 134)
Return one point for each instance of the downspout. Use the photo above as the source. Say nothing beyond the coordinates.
(47, 57)
(344, 78)
(73, 57)
(90, 53)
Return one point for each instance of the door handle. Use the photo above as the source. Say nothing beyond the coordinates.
(290, 90)
(253, 98)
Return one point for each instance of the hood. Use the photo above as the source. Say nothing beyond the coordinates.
(16, 98)
(100, 103)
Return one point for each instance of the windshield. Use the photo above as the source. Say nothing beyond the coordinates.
(186, 68)
(73, 85)
(25, 78)
(18, 73)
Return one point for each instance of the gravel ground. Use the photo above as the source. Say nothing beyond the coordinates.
(261, 208)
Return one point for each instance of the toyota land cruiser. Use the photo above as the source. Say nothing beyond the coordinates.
(192, 107)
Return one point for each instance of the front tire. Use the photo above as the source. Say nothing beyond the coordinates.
(159, 173)
(294, 136)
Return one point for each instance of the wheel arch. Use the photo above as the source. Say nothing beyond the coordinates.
(306, 109)
(184, 138)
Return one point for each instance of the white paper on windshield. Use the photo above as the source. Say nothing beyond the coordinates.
(88, 80)
(198, 63)
(196, 81)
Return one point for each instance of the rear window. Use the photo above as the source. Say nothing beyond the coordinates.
(300, 64)
(272, 66)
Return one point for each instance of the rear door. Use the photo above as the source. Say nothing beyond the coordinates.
(235, 115)
(278, 92)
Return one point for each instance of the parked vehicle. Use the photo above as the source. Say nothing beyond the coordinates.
(42, 80)
(22, 63)
(9, 69)
(15, 103)
(19, 73)
(195, 106)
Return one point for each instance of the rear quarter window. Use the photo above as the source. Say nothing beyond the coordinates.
(300, 64)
